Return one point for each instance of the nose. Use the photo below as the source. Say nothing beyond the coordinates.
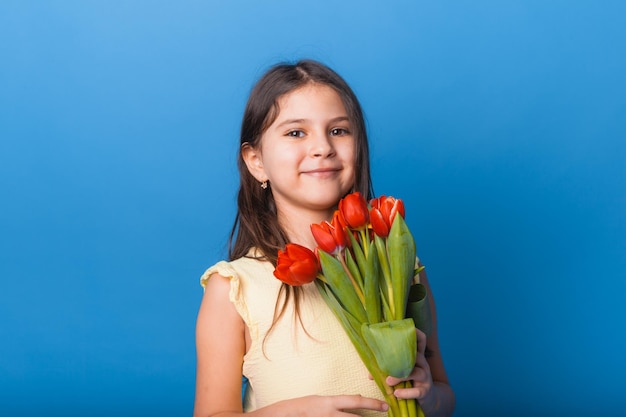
(322, 145)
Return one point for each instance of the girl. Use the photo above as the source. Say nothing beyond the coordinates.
(303, 148)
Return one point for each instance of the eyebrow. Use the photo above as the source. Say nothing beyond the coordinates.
(298, 121)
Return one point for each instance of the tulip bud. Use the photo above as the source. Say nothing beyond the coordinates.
(296, 265)
(353, 208)
(383, 212)
(380, 226)
(330, 237)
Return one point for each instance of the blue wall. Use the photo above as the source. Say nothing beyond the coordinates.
(501, 123)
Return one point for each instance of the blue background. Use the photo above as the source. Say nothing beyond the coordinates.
(501, 123)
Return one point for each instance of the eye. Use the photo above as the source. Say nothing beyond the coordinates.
(295, 133)
(339, 131)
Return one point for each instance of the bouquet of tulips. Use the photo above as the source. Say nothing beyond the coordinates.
(364, 268)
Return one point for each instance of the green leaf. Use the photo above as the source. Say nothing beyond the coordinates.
(358, 253)
(372, 286)
(385, 283)
(394, 344)
(341, 285)
(401, 256)
(418, 308)
(386, 310)
(350, 324)
(354, 269)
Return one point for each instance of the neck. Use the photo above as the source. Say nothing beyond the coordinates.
(298, 225)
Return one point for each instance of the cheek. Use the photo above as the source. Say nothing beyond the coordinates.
(279, 159)
(348, 153)
(349, 161)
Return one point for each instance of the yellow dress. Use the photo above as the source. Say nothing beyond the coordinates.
(291, 363)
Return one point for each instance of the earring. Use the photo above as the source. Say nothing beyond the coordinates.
(264, 185)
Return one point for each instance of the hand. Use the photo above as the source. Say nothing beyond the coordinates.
(329, 406)
(420, 376)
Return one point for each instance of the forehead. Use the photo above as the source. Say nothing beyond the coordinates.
(311, 101)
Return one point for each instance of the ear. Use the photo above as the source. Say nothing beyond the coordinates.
(254, 161)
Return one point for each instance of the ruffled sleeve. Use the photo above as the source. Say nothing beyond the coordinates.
(235, 295)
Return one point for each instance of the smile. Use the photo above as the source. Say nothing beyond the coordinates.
(322, 172)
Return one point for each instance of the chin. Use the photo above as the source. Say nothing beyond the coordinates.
(326, 200)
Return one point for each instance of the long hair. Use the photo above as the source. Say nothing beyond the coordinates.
(256, 223)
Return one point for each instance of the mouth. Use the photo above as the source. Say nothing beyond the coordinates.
(322, 172)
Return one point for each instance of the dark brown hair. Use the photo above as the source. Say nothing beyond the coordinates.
(256, 223)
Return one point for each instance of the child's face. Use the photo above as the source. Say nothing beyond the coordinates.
(308, 152)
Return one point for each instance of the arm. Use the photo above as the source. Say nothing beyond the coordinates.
(221, 345)
(430, 381)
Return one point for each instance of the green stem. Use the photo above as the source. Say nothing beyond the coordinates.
(420, 412)
(404, 409)
(412, 404)
(394, 405)
(364, 240)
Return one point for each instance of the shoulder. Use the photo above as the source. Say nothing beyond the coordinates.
(238, 268)
(221, 268)
(247, 283)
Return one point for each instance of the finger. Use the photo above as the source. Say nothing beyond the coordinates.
(421, 341)
(418, 392)
(354, 402)
(421, 362)
(419, 374)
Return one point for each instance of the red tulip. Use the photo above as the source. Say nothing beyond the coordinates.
(339, 223)
(330, 237)
(378, 223)
(353, 208)
(296, 265)
(382, 213)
